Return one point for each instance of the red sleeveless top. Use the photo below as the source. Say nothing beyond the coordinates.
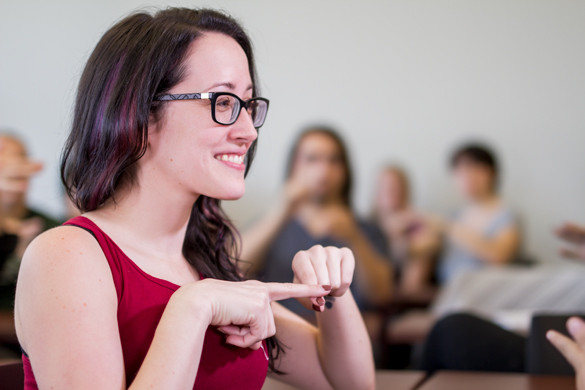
(142, 299)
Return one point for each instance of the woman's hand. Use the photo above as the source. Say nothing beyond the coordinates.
(573, 351)
(329, 267)
(242, 310)
(295, 191)
(16, 172)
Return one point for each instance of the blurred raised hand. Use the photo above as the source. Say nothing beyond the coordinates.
(572, 350)
(573, 235)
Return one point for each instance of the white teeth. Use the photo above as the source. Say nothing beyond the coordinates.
(231, 158)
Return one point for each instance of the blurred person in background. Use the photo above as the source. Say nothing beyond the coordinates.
(413, 238)
(19, 220)
(315, 209)
(484, 231)
(572, 350)
(453, 342)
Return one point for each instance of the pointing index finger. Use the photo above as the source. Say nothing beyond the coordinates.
(280, 291)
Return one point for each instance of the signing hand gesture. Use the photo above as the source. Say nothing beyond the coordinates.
(573, 351)
(242, 310)
(15, 173)
(330, 267)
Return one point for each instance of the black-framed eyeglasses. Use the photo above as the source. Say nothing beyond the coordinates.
(226, 107)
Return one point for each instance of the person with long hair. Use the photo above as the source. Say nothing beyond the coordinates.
(143, 290)
(314, 208)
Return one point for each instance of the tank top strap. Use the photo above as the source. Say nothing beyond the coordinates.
(111, 251)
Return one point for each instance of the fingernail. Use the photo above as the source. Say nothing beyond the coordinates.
(549, 335)
(326, 287)
(320, 300)
(574, 324)
(317, 308)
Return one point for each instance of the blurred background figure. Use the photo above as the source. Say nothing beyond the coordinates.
(18, 220)
(466, 341)
(315, 208)
(484, 231)
(413, 238)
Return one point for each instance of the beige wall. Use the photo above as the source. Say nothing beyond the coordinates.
(404, 80)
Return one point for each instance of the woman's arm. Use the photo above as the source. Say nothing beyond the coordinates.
(498, 249)
(375, 273)
(338, 353)
(66, 317)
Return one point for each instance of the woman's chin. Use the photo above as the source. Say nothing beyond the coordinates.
(230, 194)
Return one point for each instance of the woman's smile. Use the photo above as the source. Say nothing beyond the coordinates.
(232, 160)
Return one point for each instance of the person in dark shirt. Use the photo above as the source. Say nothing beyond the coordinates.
(315, 209)
(19, 224)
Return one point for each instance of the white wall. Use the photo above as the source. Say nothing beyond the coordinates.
(404, 81)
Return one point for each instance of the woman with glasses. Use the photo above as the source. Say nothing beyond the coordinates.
(143, 289)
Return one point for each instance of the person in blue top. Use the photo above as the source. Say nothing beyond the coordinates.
(484, 231)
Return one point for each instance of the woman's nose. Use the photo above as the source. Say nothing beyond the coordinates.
(243, 128)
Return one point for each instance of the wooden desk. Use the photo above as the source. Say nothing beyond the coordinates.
(394, 380)
(452, 380)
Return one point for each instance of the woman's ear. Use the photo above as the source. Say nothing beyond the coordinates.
(153, 122)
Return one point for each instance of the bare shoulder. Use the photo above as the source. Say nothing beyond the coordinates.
(63, 273)
(63, 246)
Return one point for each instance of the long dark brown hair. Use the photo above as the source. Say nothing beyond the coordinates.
(138, 58)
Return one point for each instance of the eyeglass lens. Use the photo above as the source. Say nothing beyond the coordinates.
(227, 109)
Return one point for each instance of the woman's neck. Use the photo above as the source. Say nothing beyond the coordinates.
(149, 217)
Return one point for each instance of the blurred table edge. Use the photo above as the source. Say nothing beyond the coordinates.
(385, 379)
(456, 380)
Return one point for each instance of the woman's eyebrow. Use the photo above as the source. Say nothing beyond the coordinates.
(229, 85)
